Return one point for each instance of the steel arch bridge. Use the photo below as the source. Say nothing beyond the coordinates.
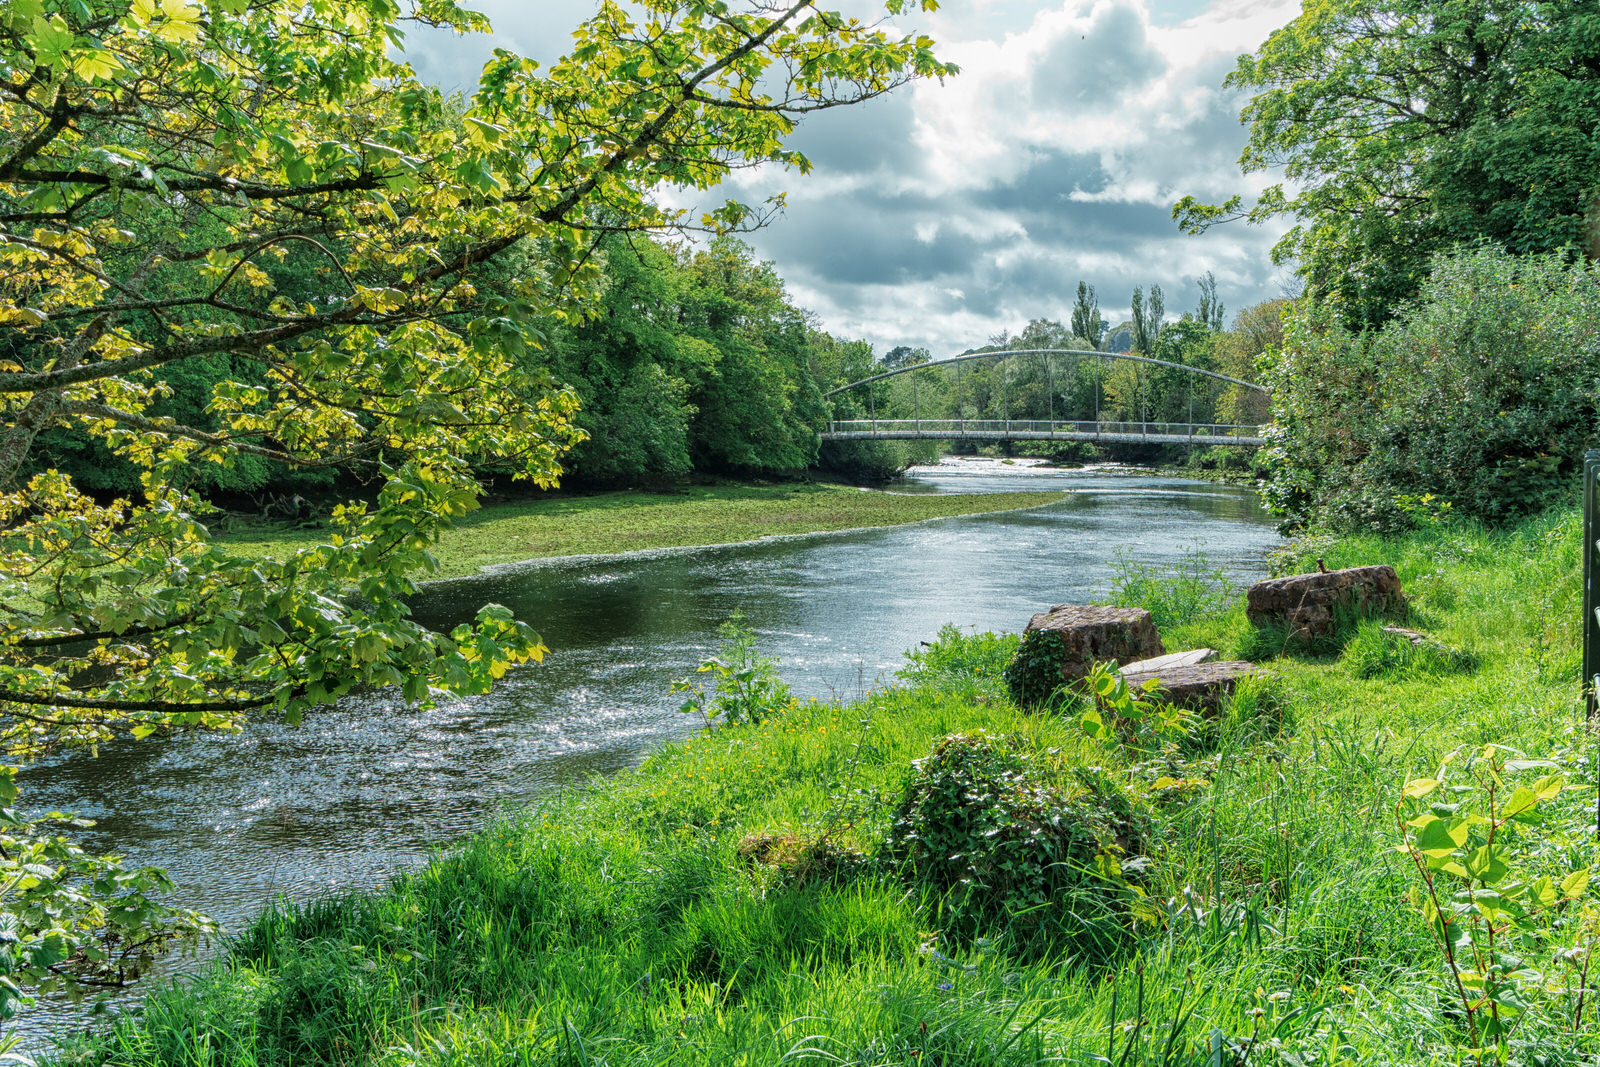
(1051, 429)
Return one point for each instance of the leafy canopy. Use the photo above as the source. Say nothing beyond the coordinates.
(1404, 127)
(262, 180)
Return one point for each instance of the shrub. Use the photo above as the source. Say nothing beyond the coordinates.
(1011, 851)
(1483, 391)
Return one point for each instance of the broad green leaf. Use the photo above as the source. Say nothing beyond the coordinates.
(1487, 864)
(50, 40)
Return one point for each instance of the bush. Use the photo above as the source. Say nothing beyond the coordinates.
(1034, 674)
(1011, 851)
(1483, 392)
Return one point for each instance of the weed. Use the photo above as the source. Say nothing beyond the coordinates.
(1376, 651)
(745, 686)
(1194, 589)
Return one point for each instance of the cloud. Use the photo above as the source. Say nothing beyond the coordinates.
(1055, 156)
(947, 212)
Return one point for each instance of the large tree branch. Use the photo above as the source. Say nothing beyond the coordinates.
(164, 707)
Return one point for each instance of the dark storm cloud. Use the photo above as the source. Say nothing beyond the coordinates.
(875, 136)
(1048, 183)
(872, 238)
(1105, 62)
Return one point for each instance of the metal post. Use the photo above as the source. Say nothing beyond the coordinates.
(1005, 412)
(916, 407)
(961, 409)
(1591, 594)
(1050, 387)
(1144, 407)
(1191, 404)
(872, 408)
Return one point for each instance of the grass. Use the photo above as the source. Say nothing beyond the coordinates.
(622, 923)
(511, 532)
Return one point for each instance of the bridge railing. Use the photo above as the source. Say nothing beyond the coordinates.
(960, 427)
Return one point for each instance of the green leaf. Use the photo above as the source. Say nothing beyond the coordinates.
(1441, 837)
(1575, 884)
(1487, 864)
(50, 40)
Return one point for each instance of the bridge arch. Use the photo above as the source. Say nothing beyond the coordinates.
(1051, 429)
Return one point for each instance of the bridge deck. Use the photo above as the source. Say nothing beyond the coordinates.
(1028, 430)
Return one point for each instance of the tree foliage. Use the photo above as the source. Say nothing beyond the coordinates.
(1481, 394)
(259, 195)
(1402, 128)
(1148, 311)
(1087, 322)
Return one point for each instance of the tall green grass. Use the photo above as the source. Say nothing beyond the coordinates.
(622, 923)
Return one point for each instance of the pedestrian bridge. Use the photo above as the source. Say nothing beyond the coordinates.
(1096, 428)
(1156, 433)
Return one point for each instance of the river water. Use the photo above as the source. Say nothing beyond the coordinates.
(369, 787)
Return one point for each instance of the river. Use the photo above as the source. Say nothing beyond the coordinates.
(370, 787)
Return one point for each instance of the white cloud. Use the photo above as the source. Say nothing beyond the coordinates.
(951, 211)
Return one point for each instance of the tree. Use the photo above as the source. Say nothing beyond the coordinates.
(1086, 320)
(1480, 394)
(1211, 308)
(1147, 315)
(1405, 127)
(904, 356)
(159, 166)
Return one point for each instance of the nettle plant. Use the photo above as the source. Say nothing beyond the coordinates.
(1516, 931)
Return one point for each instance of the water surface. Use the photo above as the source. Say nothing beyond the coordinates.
(361, 790)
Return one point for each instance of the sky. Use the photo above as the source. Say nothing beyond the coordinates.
(946, 213)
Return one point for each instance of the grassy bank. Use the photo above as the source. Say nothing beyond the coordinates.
(606, 523)
(782, 891)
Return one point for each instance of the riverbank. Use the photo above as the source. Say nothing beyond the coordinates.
(609, 523)
(733, 901)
